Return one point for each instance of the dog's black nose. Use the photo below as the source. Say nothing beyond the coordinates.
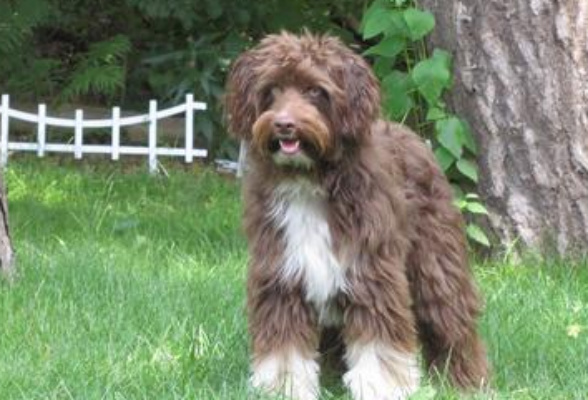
(284, 125)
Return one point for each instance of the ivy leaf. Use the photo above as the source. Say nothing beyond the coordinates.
(383, 67)
(476, 233)
(476, 208)
(432, 76)
(457, 191)
(468, 137)
(468, 168)
(419, 22)
(444, 158)
(449, 136)
(389, 47)
(435, 113)
(397, 99)
(376, 21)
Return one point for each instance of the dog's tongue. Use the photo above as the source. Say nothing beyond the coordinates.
(290, 146)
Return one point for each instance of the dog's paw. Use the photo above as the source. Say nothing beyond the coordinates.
(379, 372)
(375, 386)
(293, 377)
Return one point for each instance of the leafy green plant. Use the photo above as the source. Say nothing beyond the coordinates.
(413, 82)
(100, 71)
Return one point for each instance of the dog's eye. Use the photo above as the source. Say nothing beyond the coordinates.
(317, 93)
(268, 95)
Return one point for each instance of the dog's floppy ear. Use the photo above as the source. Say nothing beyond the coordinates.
(240, 111)
(361, 103)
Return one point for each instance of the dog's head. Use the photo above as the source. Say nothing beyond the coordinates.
(298, 99)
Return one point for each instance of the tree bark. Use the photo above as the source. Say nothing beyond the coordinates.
(7, 268)
(521, 81)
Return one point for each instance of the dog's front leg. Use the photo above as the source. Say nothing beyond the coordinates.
(380, 336)
(285, 341)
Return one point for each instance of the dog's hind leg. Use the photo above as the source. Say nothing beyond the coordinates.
(446, 303)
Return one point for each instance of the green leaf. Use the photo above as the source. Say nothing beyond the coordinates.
(419, 22)
(432, 76)
(448, 135)
(468, 168)
(376, 22)
(444, 158)
(397, 98)
(476, 208)
(457, 191)
(389, 47)
(383, 67)
(476, 233)
(397, 25)
(468, 137)
(435, 113)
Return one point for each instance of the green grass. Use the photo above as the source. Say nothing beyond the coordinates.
(132, 287)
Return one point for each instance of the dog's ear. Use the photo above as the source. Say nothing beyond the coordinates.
(240, 111)
(360, 105)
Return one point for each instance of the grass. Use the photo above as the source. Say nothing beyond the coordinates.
(132, 287)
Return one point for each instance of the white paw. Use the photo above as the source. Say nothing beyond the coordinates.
(380, 373)
(375, 387)
(288, 375)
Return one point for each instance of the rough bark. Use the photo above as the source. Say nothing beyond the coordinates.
(6, 252)
(521, 81)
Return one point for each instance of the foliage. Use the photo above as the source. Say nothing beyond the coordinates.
(195, 54)
(99, 71)
(125, 52)
(22, 70)
(413, 83)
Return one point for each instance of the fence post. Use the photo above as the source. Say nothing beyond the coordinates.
(242, 159)
(115, 133)
(78, 135)
(5, 106)
(41, 130)
(189, 127)
(152, 136)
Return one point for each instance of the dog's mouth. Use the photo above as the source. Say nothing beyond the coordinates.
(291, 152)
(286, 146)
(289, 146)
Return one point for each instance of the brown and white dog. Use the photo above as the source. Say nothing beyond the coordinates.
(350, 225)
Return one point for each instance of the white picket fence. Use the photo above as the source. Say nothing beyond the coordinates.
(115, 149)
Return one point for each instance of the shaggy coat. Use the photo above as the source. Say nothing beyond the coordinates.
(351, 229)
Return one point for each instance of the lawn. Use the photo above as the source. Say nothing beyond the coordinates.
(132, 287)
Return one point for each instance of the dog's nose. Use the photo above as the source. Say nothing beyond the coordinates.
(284, 124)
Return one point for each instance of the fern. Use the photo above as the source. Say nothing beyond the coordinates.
(17, 19)
(99, 71)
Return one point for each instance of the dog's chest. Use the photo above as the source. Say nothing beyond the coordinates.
(300, 210)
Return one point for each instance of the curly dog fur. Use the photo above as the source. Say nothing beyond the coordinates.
(351, 230)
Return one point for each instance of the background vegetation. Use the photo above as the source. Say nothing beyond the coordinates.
(124, 52)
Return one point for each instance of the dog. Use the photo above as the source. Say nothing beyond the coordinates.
(351, 228)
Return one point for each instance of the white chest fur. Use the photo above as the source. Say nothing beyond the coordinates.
(300, 210)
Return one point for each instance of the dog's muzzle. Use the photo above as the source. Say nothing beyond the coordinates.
(286, 139)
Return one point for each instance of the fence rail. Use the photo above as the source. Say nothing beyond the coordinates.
(115, 149)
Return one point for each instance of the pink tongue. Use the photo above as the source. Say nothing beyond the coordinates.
(290, 146)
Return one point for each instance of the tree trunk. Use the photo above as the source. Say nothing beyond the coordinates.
(521, 81)
(6, 253)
